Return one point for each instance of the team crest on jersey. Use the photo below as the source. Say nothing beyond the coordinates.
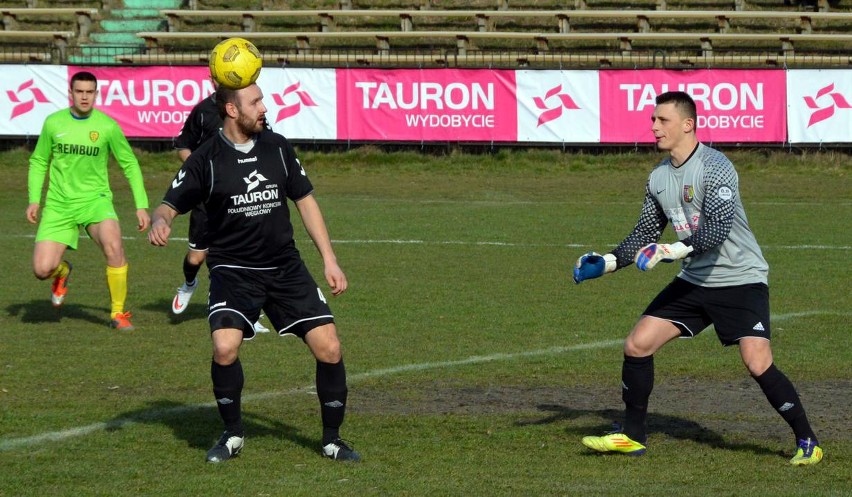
(688, 193)
(94, 135)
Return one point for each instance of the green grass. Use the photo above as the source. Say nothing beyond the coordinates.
(463, 339)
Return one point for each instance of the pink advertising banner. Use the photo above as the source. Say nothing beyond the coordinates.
(426, 105)
(734, 106)
(149, 101)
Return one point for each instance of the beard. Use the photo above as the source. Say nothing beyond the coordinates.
(248, 126)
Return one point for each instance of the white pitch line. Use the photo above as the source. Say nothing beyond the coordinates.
(488, 243)
(154, 414)
(57, 436)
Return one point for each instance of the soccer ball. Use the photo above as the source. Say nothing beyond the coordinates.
(235, 63)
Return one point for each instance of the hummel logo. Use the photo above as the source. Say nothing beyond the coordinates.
(225, 401)
(759, 327)
(179, 180)
(786, 407)
(334, 403)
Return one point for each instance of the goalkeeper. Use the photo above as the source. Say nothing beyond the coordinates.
(722, 281)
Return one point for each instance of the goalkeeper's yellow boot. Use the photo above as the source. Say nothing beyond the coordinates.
(615, 442)
(807, 452)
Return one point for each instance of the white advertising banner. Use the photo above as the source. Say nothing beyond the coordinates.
(558, 106)
(819, 106)
(28, 94)
(301, 103)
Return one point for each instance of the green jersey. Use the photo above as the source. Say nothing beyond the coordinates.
(77, 150)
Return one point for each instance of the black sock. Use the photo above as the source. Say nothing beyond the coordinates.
(190, 270)
(637, 381)
(227, 387)
(781, 394)
(332, 393)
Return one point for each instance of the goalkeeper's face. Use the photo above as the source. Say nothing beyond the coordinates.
(670, 127)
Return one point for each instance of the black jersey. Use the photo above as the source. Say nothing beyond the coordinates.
(245, 195)
(202, 123)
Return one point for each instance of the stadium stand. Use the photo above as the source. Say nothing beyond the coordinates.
(44, 42)
(422, 34)
(83, 17)
(593, 33)
(485, 20)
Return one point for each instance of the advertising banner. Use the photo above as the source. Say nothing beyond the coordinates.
(558, 106)
(458, 105)
(819, 106)
(301, 103)
(426, 105)
(149, 102)
(28, 94)
(734, 106)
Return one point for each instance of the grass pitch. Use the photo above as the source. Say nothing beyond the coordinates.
(475, 364)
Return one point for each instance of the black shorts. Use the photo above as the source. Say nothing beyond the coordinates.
(198, 230)
(288, 295)
(735, 311)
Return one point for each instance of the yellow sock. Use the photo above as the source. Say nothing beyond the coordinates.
(61, 270)
(117, 282)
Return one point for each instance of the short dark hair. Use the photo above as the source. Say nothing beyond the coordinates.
(224, 96)
(682, 101)
(83, 76)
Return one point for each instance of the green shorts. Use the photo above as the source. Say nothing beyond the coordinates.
(61, 222)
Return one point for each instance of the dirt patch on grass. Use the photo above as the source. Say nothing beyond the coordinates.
(683, 408)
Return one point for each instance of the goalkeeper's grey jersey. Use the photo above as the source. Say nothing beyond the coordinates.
(701, 201)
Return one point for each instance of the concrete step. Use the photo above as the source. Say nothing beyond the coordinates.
(116, 39)
(132, 25)
(134, 13)
(94, 60)
(107, 51)
(152, 4)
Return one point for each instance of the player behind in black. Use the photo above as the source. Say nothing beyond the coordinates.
(243, 177)
(202, 123)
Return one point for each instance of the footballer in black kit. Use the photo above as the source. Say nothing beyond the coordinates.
(245, 197)
(244, 178)
(202, 123)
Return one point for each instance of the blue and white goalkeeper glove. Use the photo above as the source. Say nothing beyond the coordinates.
(593, 265)
(649, 255)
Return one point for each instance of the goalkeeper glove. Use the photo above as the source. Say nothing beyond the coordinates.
(650, 255)
(593, 265)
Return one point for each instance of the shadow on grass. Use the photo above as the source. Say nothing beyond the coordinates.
(672, 426)
(42, 311)
(194, 310)
(200, 426)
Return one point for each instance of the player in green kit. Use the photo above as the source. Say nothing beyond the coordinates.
(74, 146)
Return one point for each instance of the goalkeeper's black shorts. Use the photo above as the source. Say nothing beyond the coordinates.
(735, 311)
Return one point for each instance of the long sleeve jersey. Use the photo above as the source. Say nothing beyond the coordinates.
(701, 201)
(77, 151)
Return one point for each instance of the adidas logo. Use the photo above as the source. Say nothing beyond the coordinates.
(786, 407)
(759, 327)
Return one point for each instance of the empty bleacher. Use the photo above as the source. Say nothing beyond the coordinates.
(588, 33)
(594, 33)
